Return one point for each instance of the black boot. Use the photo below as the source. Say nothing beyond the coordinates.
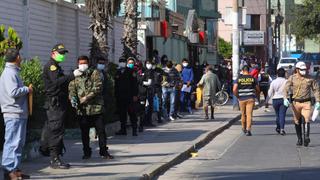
(87, 154)
(212, 113)
(299, 134)
(57, 163)
(306, 134)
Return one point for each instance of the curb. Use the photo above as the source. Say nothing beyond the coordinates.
(156, 171)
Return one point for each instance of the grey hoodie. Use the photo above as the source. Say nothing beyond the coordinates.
(13, 94)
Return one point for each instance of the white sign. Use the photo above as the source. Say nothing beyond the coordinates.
(253, 38)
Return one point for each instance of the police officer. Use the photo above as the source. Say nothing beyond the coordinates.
(301, 86)
(126, 93)
(56, 91)
(85, 93)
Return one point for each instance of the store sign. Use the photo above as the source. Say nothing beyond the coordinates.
(253, 38)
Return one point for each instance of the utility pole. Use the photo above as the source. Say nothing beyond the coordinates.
(235, 47)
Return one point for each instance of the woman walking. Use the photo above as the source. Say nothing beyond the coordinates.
(276, 92)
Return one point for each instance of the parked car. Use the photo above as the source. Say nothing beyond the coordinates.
(285, 62)
(312, 61)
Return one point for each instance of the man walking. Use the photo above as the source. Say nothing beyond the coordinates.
(246, 89)
(301, 86)
(85, 93)
(56, 91)
(14, 106)
(210, 83)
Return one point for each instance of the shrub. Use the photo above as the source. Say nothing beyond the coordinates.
(11, 41)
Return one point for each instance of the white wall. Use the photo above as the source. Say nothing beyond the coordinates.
(43, 23)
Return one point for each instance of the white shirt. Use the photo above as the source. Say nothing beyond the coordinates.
(276, 90)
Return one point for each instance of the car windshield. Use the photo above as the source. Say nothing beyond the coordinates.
(288, 60)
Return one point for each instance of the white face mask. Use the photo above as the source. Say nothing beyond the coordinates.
(149, 66)
(101, 66)
(303, 72)
(122, 64)
(184, 64)
(83, 67)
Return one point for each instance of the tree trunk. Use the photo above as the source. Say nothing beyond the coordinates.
(130, 39)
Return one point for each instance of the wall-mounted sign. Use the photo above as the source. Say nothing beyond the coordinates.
(253, 38)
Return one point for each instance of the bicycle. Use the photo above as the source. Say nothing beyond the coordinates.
(221, 97)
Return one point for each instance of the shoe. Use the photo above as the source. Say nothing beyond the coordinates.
(244, 131)
(306, 135)
(282, 132)
(180, 116)
(24, 176)
(107, 156)
(57, 163)
(206, 117)
(87, 155)
(299, 142)
(172, 118)
(267, 110)
(121, 133)
(212, 117)
(248, 133)
(278, 130)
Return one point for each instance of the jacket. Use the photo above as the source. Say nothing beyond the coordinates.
(171, 78)
(126, 85)
(210, 83)
(13, 99)
(88, 85)
(187, 75)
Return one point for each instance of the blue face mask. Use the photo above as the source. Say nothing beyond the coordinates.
(131, 66)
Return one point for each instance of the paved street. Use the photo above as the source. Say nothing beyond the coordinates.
(134, 156)
(264, 156)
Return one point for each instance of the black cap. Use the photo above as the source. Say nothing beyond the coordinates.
(11, 54)
(122, 59)
(60, 48)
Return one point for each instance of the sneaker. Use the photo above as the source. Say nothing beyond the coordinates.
(248, 133)
(57, 163)
(107, 156)
(282, 132)
(180, 116)
(244, 131)
(267, 110)
(172, 118)
(278, 130)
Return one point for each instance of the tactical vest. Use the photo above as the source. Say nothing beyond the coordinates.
(264, 81)
(246, 86)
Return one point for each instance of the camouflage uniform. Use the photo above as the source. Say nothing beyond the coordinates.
(89, 85)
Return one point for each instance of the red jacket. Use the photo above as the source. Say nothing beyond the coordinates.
(254, 73)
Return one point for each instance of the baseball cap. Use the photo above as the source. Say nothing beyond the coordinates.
(301, 65)
(60, 48)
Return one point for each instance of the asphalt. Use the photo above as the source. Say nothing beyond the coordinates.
(263, 156)
(142, 157)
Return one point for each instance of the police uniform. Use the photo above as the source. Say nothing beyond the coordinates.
(301, 88)
(56, 91)
(90, 85)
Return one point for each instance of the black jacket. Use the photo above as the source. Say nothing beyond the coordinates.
(126, 85)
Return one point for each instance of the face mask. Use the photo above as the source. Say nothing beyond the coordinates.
(131, 66)
(303, 72)
(60, 57)
(83, 67)
(122, 64)
(184, 64)
(101, 66)
(149, 66)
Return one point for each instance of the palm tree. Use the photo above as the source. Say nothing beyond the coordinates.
(101, 13)
(130, 39)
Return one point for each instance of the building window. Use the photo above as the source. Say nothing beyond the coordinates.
(255, 22)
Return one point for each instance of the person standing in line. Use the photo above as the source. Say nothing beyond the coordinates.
(148, 84)
(246, 89)
(158, 74)
(85, 93)
(210, 84)
(185, 96)
(126, 93)
(14, 106)
(56, 91)
(302, 87)
(276, 92)
(264, 80)
(171, 78)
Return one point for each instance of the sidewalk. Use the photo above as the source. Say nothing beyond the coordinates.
(146, 155)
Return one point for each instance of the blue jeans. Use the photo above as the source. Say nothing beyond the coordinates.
(280, 110)
(185, 100)
(171, 92)
(15, 136)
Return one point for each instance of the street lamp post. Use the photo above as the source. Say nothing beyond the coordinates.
(235, 48)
